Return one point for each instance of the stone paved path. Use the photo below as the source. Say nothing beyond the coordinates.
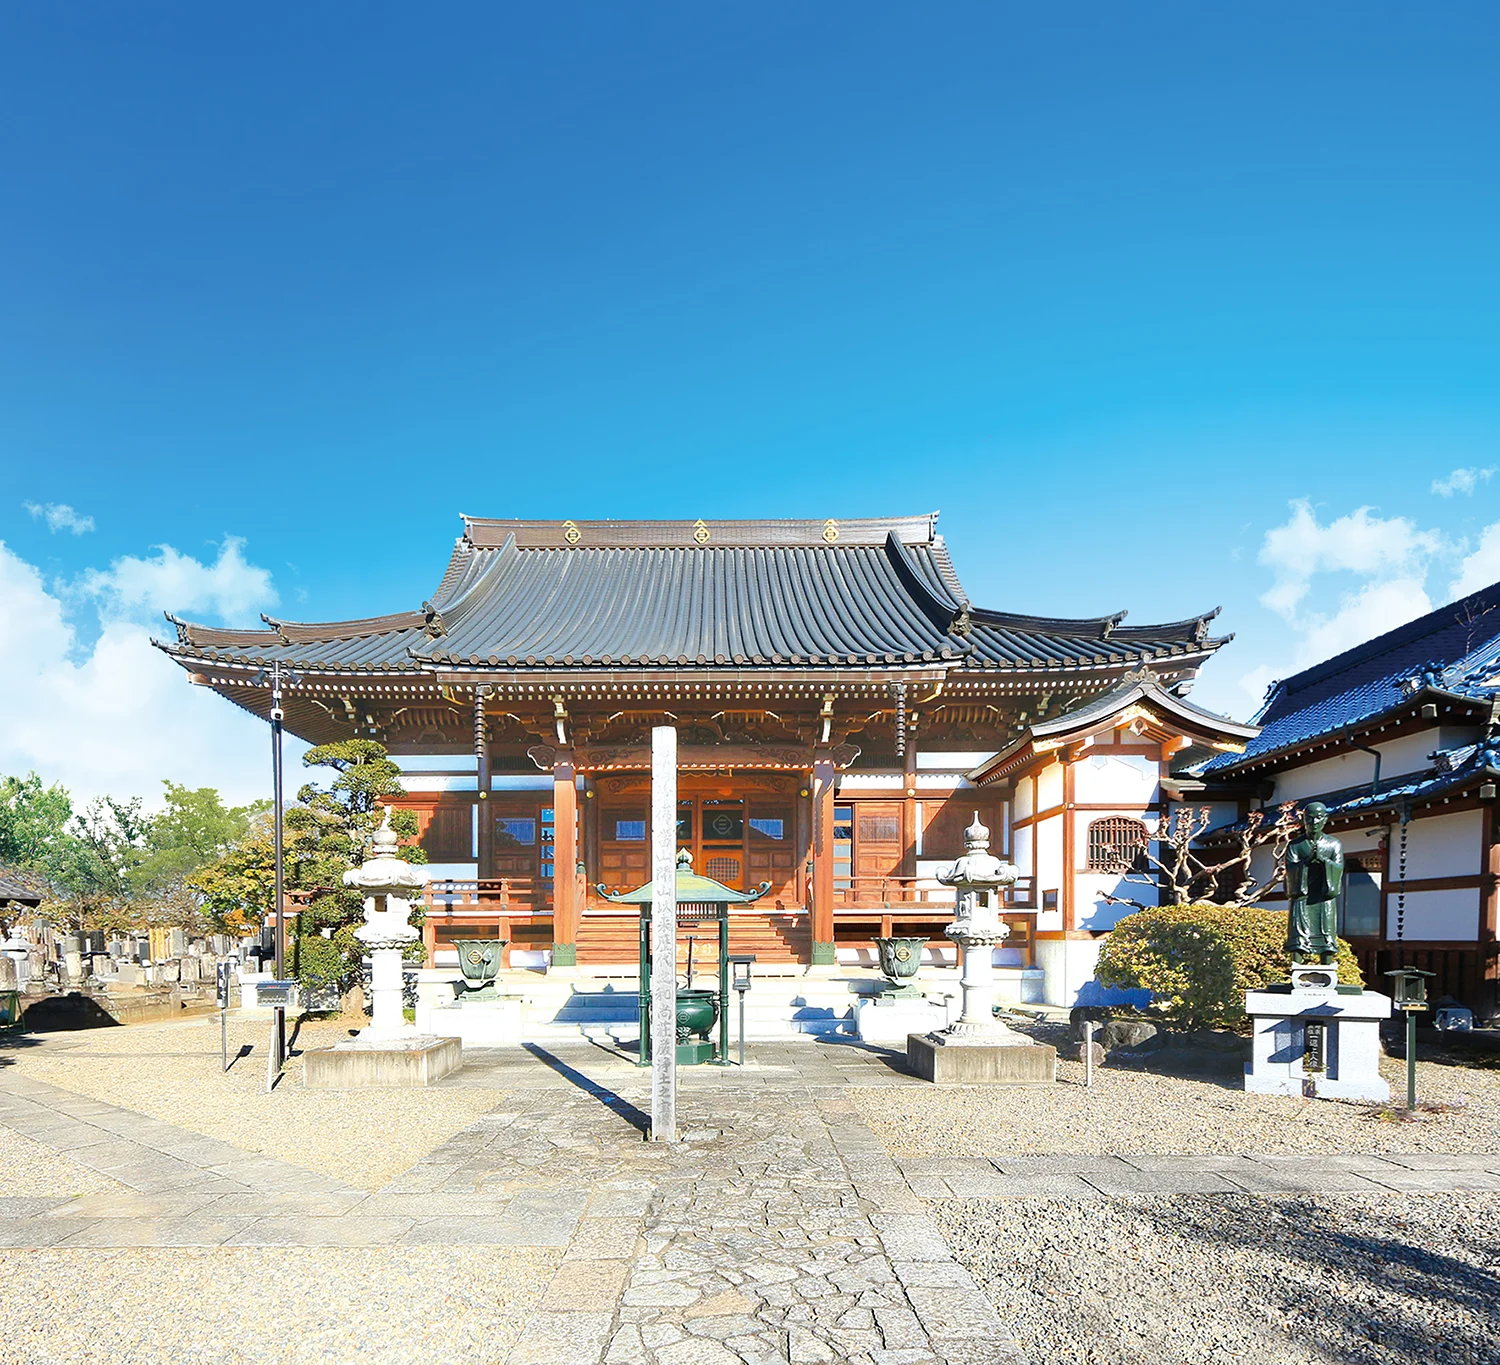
(779, 1230)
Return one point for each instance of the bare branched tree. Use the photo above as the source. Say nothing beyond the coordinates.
(1180, 872)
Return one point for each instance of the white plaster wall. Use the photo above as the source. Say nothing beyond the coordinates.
(1024, 795)
(952, 760)
(1408, 754)
(1438, 915)
(417, 783)
(1220, 813)
(1068, 975)
(1049, 787)
(1049, 855)
(1443, 846)
(1262, 866)
(872, 781)
(1091, 911)
(1022, 857)
(1130, 779)
(435, 763)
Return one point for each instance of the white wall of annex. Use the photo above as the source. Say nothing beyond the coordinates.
(1129, 779)
(1406, 754)
(1437, 915)
(1443, 846)
(1049, 787)
(1024, 795)
(1049, 855)
(1023, 845)
(1092, 911)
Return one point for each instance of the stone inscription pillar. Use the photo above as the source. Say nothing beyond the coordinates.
(664, 934)
(822, 874)
(565, 900)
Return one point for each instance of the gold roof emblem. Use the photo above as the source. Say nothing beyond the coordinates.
(830, 530)
(700, 531)
(571, 533)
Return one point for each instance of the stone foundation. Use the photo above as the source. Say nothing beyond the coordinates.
(969, 1064)
(364, 1066)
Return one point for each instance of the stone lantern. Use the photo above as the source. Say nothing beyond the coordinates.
(977, 1047)
(390, 1052)
(388, 882)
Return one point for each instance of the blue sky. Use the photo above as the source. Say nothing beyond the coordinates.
(286, 290)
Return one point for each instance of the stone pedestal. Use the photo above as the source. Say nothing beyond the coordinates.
(382, 1064)
(1288, 1053)
(478, 1023)
(891, 1017)
(945, 1060)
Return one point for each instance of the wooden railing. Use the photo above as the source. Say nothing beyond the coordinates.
(487, 907)
(892, 892)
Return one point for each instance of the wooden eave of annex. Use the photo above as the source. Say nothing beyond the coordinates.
(1140, 702)
(1395, 722)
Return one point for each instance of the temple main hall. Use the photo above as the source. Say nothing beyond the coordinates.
(843, 710)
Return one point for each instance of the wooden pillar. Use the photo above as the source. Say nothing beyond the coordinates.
(822, 877)
(565, 906)
(1069, 853)
(909, 802)
(484, 850)
(1487, 1001)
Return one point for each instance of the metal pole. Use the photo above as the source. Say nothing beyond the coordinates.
(1411, 1059)
(224, 1036)
(1088, 1053)
(742, 1028)
(723, 985)
(279, 1015)
(664, 933)
(643, 1003)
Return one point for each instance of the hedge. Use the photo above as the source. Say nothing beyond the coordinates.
(1199, 960)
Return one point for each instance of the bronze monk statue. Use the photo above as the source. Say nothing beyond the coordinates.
(1314, 874)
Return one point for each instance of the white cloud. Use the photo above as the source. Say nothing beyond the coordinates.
(1481, 567)
(229, 588)
(1362, 615)
(1463, 481)
(59, 517)
(1356, 543)
(119, 716)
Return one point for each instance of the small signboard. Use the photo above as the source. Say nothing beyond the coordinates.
(226, 977)
(276, 993)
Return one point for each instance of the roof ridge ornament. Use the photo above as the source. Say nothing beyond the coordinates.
(571, 533)
(701, 532)
(830, 530)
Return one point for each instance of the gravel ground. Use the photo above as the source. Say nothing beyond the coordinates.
(1356, 1279)
(1138, 1112)
(432, 1305)
(172, 1072)
(35, 1171)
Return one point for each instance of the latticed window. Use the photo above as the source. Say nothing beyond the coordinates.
(1117, 844)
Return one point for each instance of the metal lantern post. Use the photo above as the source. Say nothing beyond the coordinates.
(741, 966)
(1409, 994)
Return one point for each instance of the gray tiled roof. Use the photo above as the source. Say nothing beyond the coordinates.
(563, 594)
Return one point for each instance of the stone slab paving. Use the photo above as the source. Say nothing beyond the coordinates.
(1086, 1177)
(780, 1230)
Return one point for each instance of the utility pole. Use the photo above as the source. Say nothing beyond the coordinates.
(278, 1045)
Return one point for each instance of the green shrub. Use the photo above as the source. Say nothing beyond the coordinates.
(1199, 960)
